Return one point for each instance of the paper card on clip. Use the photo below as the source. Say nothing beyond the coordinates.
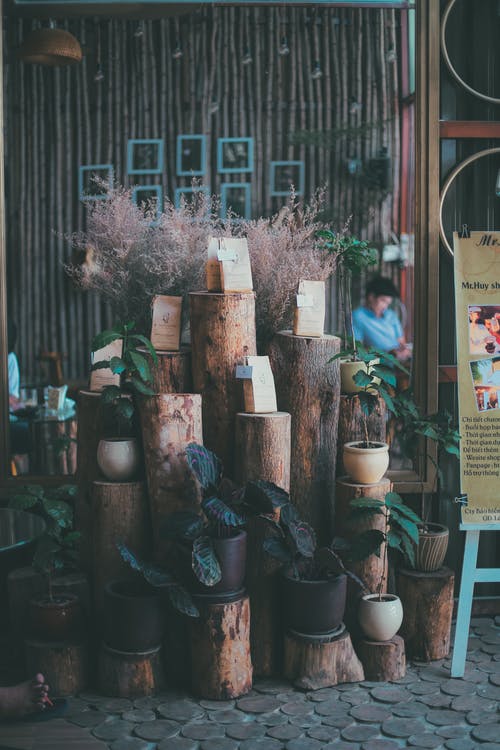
(309, 313)
(103, 377)
(166, 326)
(259, 391)
(236, 272)
(213, 267)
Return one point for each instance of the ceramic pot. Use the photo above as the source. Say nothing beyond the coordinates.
(133, 616)
(231, 552)
(432, 547)
(348, 370)
(56, 619)
(118, 458)
(380, 619)
(314, 607)
(366, 465)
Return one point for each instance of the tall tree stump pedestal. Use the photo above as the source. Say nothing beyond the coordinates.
(262, 448)
(172, 374)
(64, 665)
(427, 600)
(314, 662)
(383, 661)
(124, 674)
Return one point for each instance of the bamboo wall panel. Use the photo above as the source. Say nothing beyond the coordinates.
(58, 119)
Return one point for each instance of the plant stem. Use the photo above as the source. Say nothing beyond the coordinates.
(384, 557)
(349, 307)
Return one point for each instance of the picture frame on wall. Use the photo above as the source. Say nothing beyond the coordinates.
(284, 174)
(145, 156)
(186, 192)
(234, 155)
(92, 178)
(191, 155)
(236, 197)
(146, 196)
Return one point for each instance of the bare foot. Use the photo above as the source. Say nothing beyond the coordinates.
(23, 699)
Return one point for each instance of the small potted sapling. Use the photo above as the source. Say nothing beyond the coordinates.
(53, 617)
(119, 456)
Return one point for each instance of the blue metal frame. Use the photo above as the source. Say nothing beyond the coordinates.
(150, 189)
(130, 155)
(81, 182)
(299, 189)
(220, 156)
(186, 191)
(202, 167)
(225, 188)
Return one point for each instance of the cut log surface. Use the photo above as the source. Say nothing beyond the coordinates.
(309, 389)
(383, 661)
(120, 513)
(172, 374)
(169, 423)
(262, 448)
(220, 650)
(312, 664)
(130, 675)
(222, 336)
(64, 665)
(351, 424)
(427, 600)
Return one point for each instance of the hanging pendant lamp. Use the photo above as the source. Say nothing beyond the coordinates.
(50, 47)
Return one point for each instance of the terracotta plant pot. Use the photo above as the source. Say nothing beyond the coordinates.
(119, 458)
(366, 465)
(314, 607)
(348, 370)
(380, 619)
(56, 619)
(231, 553)
(432, 547)
(134, 616)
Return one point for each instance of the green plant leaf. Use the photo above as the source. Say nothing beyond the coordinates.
(139, 386)
(141, 365)
(204, 561)
(129, 326)
(182, 601)
(104, 338)
(153, 575)
(22, 502)
(388, 399)
(218, 512)
(147, 343)
(368, 402)
(264, 497)
(124, 408)
(386, 374)
(303, 537)
(366, 502)
(404, 525)
(288, 514)
(103, 364)
(362, 378)
(59, 511)
(395, 501)
(205, 465)
(278, 549)
(110, 393)
(365, 544)
(117, 365)
(45, 556)
(183, 524)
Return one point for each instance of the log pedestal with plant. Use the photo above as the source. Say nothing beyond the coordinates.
(65, 665)
(428, 607)
(383, 661)
(308, 388)
(314, 662)
(130, 675)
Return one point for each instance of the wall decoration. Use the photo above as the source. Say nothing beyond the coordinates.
(186, 192)
(285, 173)
(145, 156)
(145, 196)
(234, 155)
(191, 155)
(236, 196)
(89, 178)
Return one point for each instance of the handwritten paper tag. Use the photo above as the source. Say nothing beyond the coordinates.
(166, 326)
(309, 319)
(102, 377)
(213, 267)
(259, 391)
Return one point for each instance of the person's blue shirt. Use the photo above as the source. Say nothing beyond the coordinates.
(382, 333)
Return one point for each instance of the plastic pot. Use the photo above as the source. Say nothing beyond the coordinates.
(133, 616)
(314, 607)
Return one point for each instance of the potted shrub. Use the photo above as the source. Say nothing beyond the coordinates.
(53, 618)
(119, 456)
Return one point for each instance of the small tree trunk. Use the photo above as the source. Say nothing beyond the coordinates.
(383, 661)
(63, 665)
(172, 374)
(262, 448)
(312, 664)
(130, 675)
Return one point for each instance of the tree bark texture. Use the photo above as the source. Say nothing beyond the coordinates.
(427, 600)
(172, 374)
(120, 514)
(309, 388)
(311, 664)
(351, 425)
(169, 423)
(64, 665)
(220, 650)
(383, 661)
(262, 448)
(222, 335)
(130, 675)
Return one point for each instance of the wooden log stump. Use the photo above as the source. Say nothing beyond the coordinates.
(64, 665)
(22, 585)
(74, 583)
(130, 675)
(427, 600)
(383, 661)
(262, 448)
(120, 513)
(351, 425)
(169, 421)
(220, 650)
(312, 662)
(309, 388)
(222, 335)
(172, 374)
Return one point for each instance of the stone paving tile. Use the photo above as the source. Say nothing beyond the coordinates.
(113, 730)
(180, 710)
(258, 705)
(304, 743)
(380, 745)
(132, 743)
(425, 739)
(245, 730)
(177, 743)
(219, 743)
(263, 743)
(157, 730)
(359, 732)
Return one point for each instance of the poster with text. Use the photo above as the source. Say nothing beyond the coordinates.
(477, 303)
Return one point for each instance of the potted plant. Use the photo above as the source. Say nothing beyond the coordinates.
(53, 618)
(119, 456)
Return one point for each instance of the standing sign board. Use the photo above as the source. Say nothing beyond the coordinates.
(477, 300)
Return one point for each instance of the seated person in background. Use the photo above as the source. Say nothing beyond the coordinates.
(13, 367)
(20, 435)
(378, 326)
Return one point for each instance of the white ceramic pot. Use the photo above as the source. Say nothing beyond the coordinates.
(348, 370)
(366, 465)
(118, 458)
(380, 619)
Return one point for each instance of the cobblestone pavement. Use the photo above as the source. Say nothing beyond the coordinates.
(426, 709)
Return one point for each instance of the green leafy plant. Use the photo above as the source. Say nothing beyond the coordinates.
(56, 548)
(133, 368)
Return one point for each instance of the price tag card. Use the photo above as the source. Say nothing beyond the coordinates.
(244, 372)
(166, 326)
(236, 274)
(309, 314)
(259, 391)
(213, 267)
(103, 376)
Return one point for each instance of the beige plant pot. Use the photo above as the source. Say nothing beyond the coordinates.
(366, 465)
(348, 370)
(118, 458)
(432, 547)
(380, 619)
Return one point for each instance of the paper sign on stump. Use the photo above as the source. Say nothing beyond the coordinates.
(258, 389)
(309, 314)
(228, 265)
(166, 326)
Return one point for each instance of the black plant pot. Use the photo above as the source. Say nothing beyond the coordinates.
(134, 616)
(231, 553)
(314, 607)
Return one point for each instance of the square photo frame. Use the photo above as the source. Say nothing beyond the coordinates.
(187, 191)
(145, 156)
(283, 174)
(88, 190)
(191, 155)
(143, 194)
(234, 155)
(237, 197)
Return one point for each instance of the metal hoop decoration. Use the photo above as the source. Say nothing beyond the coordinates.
(450, 179)
(444, 50)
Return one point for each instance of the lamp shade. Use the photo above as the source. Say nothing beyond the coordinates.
(50, 47)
